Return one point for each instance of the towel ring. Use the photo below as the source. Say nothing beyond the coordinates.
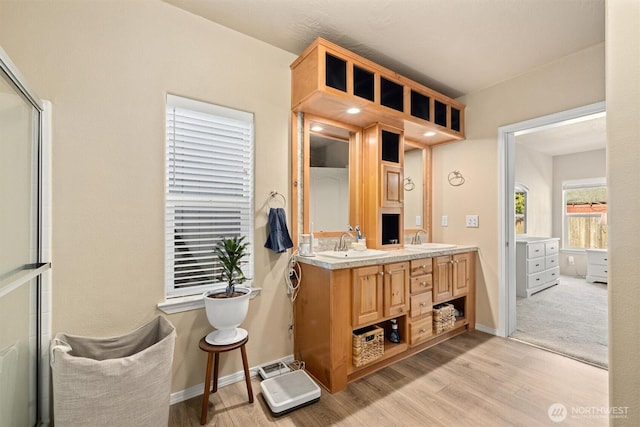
(273, 195)
(455, 178)
(409, 184)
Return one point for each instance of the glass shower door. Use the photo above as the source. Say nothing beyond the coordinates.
(20, 257)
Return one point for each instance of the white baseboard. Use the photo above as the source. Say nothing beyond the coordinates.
(197, 390)
(486, 329)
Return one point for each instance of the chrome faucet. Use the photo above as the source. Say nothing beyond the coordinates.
(342, 245)
(416, 240)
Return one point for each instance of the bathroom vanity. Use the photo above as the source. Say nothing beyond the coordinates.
(352, 114)
(339, 297)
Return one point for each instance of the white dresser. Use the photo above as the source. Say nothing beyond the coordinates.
(597, 270)
(536, 264)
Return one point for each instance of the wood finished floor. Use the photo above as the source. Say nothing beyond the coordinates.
(474, 379)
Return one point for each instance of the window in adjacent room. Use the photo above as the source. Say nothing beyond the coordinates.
(585, 214)
(521, 194)
(209, 191)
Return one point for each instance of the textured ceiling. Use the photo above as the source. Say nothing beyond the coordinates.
(453, 46)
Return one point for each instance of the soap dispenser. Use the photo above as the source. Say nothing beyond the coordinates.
(394, 335)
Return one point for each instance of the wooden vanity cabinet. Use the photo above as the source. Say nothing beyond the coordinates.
(327, 79)
(383, 162)
(333, 304)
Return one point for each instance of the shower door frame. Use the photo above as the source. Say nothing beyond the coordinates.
(40, 270)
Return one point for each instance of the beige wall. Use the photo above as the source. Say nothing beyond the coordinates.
(570, 82)
(107, 67)
(535, 171)
(623, 157)
(585, 165)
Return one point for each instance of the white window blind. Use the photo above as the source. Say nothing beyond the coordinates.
(209, 191)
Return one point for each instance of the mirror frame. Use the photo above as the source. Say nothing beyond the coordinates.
(426, 188)
(300, 163)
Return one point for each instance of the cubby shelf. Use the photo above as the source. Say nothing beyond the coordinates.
(328, 79)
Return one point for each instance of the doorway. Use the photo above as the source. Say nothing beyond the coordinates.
(509, 186)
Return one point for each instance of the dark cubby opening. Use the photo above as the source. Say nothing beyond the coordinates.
(419, 105)
(363, 83)
(455, 119)
(391, 94)
(440, 113)
(336, 73)
(390, 229)
(390, 147)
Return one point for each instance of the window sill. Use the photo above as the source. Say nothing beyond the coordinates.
(192, 302)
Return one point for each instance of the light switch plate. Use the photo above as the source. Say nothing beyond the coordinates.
(444, 221)
(472, 221)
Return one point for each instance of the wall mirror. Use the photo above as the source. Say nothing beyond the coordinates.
(327, 156)
(417, 199)
(330, 166)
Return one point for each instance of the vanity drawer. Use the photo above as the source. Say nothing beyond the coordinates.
(421, 330)
(421, 266)
(535, 265)
(535, 250)
(421, 283)
(421, 304)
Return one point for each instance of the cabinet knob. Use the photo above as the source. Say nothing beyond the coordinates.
(423, 330)
(423, 284)
(381, 273)
(424, 266)
(423, 304)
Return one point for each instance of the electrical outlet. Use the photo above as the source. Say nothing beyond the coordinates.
(472, 221)
(444, 221)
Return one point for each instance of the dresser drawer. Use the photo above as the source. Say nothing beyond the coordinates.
(551, 248)
(535, 250)
(553, 274)
(421, 266)
(535, 265)
(421, 304)
(421, 330)
(421, 283)
(597, 257)
(551, 262)
(597, 270)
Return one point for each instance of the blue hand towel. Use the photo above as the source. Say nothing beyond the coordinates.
(279, 239)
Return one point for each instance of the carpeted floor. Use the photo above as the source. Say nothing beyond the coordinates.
(569, 318)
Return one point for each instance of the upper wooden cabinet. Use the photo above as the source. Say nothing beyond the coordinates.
(328, 79)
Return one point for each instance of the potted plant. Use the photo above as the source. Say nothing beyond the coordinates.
(227, 308)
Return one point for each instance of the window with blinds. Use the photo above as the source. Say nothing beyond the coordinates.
(209, 191)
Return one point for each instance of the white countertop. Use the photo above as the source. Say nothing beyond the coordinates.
(393, 255)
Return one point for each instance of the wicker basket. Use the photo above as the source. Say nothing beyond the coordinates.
(368, 345)
(443, 317)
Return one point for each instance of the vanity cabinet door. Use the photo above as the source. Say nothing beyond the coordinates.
(442, 284)
(392, 191)
(396, 288)
(366, 290)
(461, 274)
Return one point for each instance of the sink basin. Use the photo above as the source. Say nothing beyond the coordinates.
(353, 254)
(429, 246)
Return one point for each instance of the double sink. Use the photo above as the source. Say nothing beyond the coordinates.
(371, 253)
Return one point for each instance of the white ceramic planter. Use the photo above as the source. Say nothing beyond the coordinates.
(226, 314)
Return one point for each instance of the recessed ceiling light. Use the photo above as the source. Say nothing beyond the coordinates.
(353, 110)
(429, 133)
(316, 128)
